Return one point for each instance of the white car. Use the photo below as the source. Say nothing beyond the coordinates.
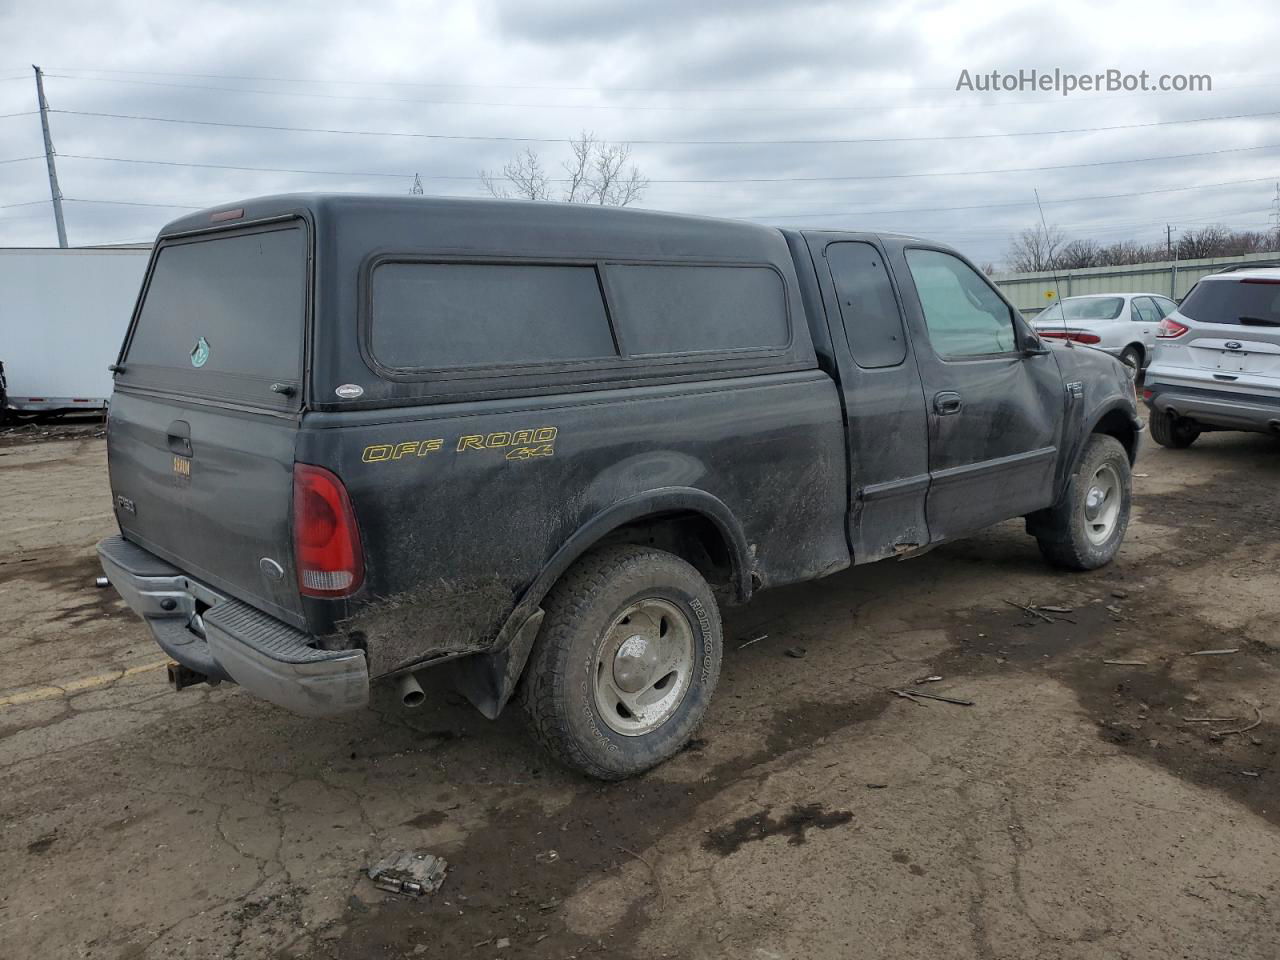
(1217, 365)
(1122, 324)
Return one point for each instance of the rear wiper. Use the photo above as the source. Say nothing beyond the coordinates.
(1257, 322)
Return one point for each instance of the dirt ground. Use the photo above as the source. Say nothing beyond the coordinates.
(1074, 811)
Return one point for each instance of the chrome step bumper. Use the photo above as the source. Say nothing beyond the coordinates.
(231, 640)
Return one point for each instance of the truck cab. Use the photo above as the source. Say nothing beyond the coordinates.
(539, 445)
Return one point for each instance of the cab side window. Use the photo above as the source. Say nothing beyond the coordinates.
(965, 317)
(872, 322)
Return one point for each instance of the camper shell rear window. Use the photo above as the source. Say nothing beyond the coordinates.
(223, 317)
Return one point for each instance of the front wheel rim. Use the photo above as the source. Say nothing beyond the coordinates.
(644, 667)
(1102, 504)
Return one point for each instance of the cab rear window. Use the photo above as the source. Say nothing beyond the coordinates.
(223, 318)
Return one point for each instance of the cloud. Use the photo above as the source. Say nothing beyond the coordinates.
(659, 71)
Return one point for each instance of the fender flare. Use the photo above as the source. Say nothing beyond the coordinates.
(488, 679)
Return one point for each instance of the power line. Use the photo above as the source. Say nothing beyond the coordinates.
(140, 203)
(788, 216)
(682, 108)
(648, 142)
(676, 180)
(1014, 203)
(24, 113)
(484, 86)
(21, 159)
(25, 203)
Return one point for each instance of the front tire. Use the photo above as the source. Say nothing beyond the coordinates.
(626, 661)
(1176, 433)
(1084, 531)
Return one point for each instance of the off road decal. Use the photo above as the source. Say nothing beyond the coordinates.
(515, 445)
(381, 452)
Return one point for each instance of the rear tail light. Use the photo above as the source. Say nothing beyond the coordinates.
(1170, 329)
(1148, 394)
(326, 540)
(1075, 335)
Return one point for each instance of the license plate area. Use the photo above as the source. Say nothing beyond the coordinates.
(1235, 361)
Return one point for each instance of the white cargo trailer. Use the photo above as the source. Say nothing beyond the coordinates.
(63, 316)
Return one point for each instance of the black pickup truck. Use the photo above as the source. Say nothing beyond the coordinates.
(539, 444)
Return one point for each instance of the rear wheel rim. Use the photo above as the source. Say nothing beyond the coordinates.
(644, 667)
(1130, 361)
(1102, 504)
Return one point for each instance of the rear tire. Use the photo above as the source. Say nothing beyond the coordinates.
(1176, 433)
(1085, 529)
(625, 663)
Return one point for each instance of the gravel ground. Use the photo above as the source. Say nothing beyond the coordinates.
(1072, 812)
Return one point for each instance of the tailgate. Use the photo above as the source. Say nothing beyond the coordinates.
(206, 409)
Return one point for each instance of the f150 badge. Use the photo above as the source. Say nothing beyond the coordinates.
(517, 444)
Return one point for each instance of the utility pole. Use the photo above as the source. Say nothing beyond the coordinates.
(48, 158)
(416, 189)
(1276, 215)
(1168, 238)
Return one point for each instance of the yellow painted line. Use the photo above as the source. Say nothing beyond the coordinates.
(78, 685)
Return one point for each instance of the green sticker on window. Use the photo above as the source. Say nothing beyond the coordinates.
(200, 354)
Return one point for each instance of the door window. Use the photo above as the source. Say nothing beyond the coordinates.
(872, 321)
(965, 317)
(1144, 310)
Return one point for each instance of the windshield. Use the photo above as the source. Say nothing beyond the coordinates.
(1083, 308)
(1248, 302)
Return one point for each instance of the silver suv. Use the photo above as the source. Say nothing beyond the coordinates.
(1217, 359)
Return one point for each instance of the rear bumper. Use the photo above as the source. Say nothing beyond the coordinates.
(225, 639)
(1217, 408)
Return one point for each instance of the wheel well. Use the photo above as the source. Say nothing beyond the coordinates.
(689, 535)
(1116, 423)
(1140, 349)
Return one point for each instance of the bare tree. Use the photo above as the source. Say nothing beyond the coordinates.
(596, 172)
(1076, 254)
(1035, 248)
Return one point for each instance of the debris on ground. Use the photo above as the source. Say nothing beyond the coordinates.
(1214, 653)
(1210, 719)
(1047, 609)
(915, 695)
(1125, 663)
(933, 679)
(796, 653)
(763, 636)
(408, 872)
(1219, 734)
(547, 856)
(1030, 610)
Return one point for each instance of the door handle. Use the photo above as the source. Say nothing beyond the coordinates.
(947, 403)
(180, 438)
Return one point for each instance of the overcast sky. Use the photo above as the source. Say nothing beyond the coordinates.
(662, 70)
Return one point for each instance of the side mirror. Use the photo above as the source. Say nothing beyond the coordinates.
(1033, 346)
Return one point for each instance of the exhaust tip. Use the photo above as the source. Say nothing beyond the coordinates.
(410, 691)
